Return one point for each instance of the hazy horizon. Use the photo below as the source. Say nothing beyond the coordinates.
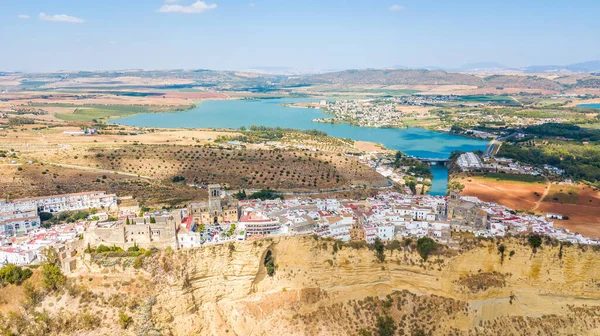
(70, 35)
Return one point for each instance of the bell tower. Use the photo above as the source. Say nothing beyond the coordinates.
(214, 200)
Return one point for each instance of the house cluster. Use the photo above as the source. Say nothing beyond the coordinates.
(392, 215)
(473, 163)
(86, 131)
(22, 215)
(369, 113)
(387, 216)
(27, 248)
(21, 235)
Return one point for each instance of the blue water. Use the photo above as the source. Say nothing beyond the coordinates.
(439, 184)
(589, 106)
(269, 112)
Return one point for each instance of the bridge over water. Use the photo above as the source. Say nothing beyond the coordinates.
(441, 161)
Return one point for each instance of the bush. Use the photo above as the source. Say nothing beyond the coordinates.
(14, 275)
(32, 295)
(138, 262)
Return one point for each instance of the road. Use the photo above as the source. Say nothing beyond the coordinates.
(98, 170)
(548, 185)
(495, 145)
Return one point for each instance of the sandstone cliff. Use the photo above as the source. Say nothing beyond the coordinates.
(318, 289)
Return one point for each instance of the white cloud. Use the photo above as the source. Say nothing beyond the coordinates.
(23, 16)
(395, 8)
(60, 18)
(171, 1)
(195, 8)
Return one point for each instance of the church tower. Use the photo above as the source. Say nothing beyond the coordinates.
(453, 202)
(214, 201)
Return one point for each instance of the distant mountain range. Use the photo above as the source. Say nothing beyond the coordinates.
(495, 67)
(441, 77)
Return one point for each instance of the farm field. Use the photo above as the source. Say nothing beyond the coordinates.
(580, 203)
(513, 194)
(582, 207)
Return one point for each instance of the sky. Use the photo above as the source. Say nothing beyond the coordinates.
(50, 35)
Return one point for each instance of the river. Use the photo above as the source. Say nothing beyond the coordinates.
(418, 142)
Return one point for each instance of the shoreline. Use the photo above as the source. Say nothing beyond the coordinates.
(291, 106)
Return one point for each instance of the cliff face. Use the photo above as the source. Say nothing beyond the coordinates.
(320, 289)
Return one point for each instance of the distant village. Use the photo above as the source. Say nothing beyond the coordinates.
(362, 113)
(222, 218)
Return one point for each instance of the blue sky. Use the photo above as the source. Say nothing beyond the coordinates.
(41, 35)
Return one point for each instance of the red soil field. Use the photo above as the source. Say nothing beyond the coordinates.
(515, 195)
(584, 217)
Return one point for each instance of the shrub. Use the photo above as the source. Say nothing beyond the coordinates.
(269, 263)
(124, 320)
(32, 295)
(138, 262)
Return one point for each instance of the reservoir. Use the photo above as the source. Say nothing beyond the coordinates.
(417, 142)
(589, 106)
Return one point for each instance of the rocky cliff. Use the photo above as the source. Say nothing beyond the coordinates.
(322, 287)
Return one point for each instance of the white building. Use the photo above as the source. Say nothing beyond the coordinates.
(16, 256)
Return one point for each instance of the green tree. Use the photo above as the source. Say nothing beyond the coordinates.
(455, 185)
(379, 250)
(535, 241)
(501, 250)
(52, 277)
(386, 326)
(425, 246)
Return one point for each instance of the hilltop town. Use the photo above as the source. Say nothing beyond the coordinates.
(387, 216)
